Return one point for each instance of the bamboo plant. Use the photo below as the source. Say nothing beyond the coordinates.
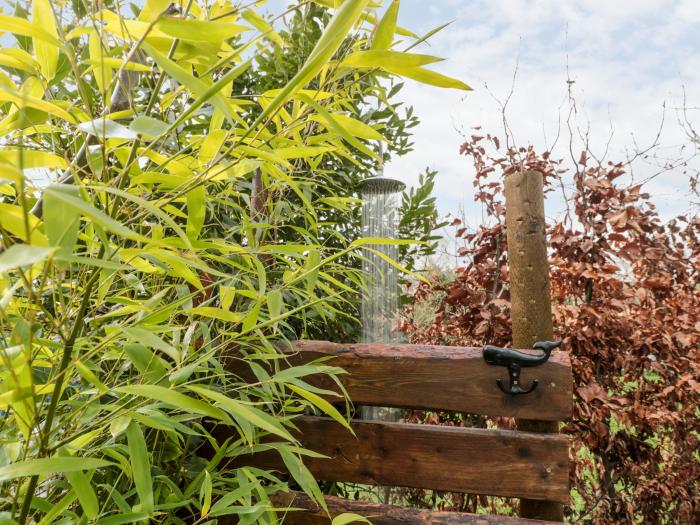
(140, 204)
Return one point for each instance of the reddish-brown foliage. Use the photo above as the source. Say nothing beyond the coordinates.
(626, 302)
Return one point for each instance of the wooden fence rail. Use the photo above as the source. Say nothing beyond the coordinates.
(426, 377)
(453, 459)
(381, 514)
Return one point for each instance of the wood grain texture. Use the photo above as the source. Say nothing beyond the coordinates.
(437, 378)
(379, 514)
(477, 461)
(531, 307)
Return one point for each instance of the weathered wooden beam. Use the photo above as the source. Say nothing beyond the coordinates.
(379, 514)
(531, 308)
(454, 459)
(436, 378)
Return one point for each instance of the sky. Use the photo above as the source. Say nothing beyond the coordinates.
(627, 58)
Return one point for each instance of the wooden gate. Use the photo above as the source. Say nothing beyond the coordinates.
(477, 461)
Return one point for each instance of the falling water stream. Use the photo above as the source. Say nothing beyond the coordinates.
(380, 304)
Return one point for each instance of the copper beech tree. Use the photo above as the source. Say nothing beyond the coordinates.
(626, 303)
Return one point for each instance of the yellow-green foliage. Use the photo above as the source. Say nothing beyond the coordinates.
(156, 250)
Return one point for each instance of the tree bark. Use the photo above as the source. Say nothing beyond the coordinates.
(531, 308)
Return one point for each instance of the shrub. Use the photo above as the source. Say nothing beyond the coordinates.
(626, 304)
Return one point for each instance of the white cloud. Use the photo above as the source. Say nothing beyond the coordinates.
(627, 58)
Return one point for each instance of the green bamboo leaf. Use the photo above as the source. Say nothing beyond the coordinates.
(212, 92)
(196, 211)
(205, 494)
(96, 159)
(311, 269)
(140, 465)
(150, 207)
(322, 405)
(427, 35)
(226, 296)
(149, 127)
(153, 8)
(90, 376)
(12, 397)
(19, 255)
(92, 261)
(147, 337)
(151, 366)
(182, 264)
(77, 32)
(302, 476)
(61, 223)
(10, 173)
(263, 26)
(216, 313)
(251, 318)
(6, 81)
(20, 26)
(335, 126)
(398, 266)
(349, 517)
(19, 59)
(355, 127)
(239, 510)
(122, 519)
(86, 494)
(62, 193)
(159, 421)
(248, 413)
(300, 152)
(287, 375)
(15, 220)
(264, 154)
(384, 34)
(187, 79)
(323, 51)
(364, 241)
(369, 17)
(386, 59)
(101, 71)
(105, 128)
(26, 158)
(358, 128)
(119, 425)
(175, 399)
(202, 30)
(23, 100)
(211, 145)
(58, 508)
(46, 53)
(28, 119)
(224, 504)
(275, 303)
(116, 63)
(427, 76)
(52, 465)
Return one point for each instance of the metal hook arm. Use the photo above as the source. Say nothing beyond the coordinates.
(515, 361)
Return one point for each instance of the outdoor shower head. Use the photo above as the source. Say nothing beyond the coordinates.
(381, 185)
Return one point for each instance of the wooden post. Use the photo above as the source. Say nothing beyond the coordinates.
(529, 294)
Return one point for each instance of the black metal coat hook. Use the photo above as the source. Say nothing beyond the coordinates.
(515, 361)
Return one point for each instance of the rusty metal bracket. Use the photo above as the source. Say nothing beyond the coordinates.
(515, 361)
